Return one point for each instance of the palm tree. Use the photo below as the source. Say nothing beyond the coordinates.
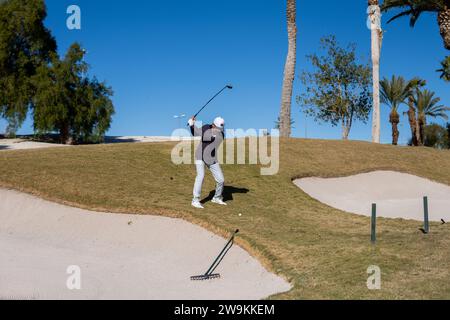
(415, 8)
(445, 70)
(289, 70)
(427, 105)
(393, 94)
(377, 37)
(413, 86)
(278, 123)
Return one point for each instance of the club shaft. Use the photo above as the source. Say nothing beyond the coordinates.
(215, 96)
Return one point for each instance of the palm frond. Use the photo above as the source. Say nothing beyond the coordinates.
(445, 70)
(427, 105)
(412, 8)
(390, 4)
(415, 84)
(401, 14)
(394, 92)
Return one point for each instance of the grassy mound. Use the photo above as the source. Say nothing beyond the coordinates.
(324, 252)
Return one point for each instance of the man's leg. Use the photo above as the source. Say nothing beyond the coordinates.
(220, 181)
(198, 181)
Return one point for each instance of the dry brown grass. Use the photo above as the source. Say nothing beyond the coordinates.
(322, 251)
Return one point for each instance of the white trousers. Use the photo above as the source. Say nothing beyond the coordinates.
(217, 174)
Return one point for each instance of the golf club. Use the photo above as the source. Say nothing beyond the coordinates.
(209, 274)
(215, 96)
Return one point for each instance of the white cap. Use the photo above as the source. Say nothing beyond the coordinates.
(219, 122)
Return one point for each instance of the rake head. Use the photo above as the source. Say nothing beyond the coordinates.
(209, 275)
(206, 277)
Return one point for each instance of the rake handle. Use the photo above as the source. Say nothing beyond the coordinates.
(221, 253)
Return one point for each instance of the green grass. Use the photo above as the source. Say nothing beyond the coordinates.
(323, 252)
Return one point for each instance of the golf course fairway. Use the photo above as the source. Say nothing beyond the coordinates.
(323, 252)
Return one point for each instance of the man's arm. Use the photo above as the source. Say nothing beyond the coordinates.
(194, 131)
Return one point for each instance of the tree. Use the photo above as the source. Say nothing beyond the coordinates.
(25, 44)
(11, 128)
(412, 86)
(448, 135)
(445, 70)
(436, 136)
(289, 70)
(69, 103)
(278, 123)
(415, 8)
(338, 91)
(377, 38)
(393, 93)
(427, 105)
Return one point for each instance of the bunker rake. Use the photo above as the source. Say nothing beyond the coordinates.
(209, 275)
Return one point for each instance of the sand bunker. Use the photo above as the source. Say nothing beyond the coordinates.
(120, 256)
(397, 195)
(20, 144)
(144, 139)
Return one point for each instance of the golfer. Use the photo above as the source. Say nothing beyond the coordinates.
(212, 136)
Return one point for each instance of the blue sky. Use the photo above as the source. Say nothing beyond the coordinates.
(168, 57)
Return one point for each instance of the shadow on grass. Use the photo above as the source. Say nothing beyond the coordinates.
(3, 147)
(119, 140)
(228, 192)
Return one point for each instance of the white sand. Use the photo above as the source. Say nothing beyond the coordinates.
(153, 258)
(397, 195)
(20, 144)
(144, 139)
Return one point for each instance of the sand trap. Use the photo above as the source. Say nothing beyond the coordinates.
(20, 144)
(397, 195)
(144, 139)
(121, 256)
